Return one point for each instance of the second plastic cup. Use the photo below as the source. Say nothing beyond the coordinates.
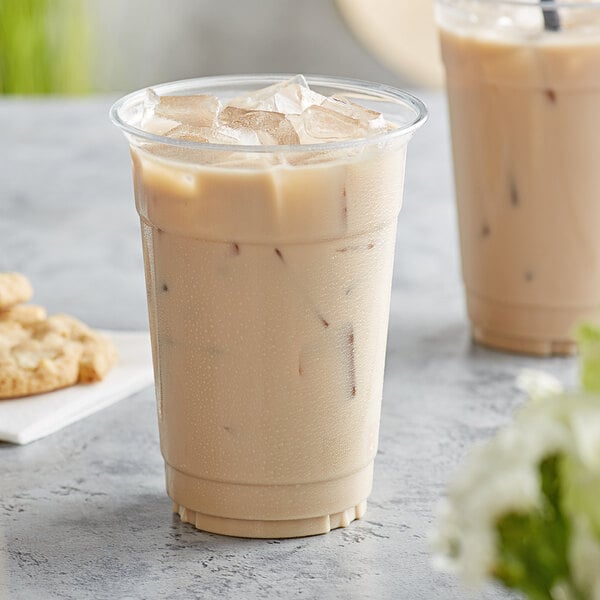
(523, 83)
(268, 277)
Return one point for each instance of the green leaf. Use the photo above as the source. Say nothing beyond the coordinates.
(588, 339)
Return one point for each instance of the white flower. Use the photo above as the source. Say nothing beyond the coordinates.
(499, 478)
(584, 558)
(585, 424)
(562, 591)
(458, 538)
(538, 384)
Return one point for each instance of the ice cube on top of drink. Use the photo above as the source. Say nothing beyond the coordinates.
(286, 113)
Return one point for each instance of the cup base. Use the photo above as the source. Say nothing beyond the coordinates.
(270, 529)
(517, 345)
(524, 329)
(269, 511)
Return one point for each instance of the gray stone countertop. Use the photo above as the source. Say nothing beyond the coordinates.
(84, 514)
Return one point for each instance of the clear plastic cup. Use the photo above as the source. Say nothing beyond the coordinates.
(523, 84)
(268, 274)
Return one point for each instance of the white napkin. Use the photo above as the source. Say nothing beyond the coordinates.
(24, 420)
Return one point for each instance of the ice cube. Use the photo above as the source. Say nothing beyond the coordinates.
(530, 19)
(198, 111)
(372, 120)
(151, 122)
(289, 97)
(163, 114)
(190, 134)
(272, 128)
(221, 134)
(286, 113)
(319, 124)
(242, 136)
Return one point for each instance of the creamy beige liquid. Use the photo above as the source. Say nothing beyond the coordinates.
(525, 117)
(269, 291)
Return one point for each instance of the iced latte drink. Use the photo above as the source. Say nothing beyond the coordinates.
(523, 85)
(268, 223)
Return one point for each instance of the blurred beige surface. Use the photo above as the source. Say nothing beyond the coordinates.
(401, 33)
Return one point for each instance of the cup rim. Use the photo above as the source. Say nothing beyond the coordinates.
(376, 90)
(545, 6)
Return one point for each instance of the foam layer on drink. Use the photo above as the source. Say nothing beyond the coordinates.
(268, 292)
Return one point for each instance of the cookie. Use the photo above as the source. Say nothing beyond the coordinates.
(47, 354)
(12, 333)
(36, 366)
(14, 289)
(98, 353)
(24, 314)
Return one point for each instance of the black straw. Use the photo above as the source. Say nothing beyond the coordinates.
(551, 18)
